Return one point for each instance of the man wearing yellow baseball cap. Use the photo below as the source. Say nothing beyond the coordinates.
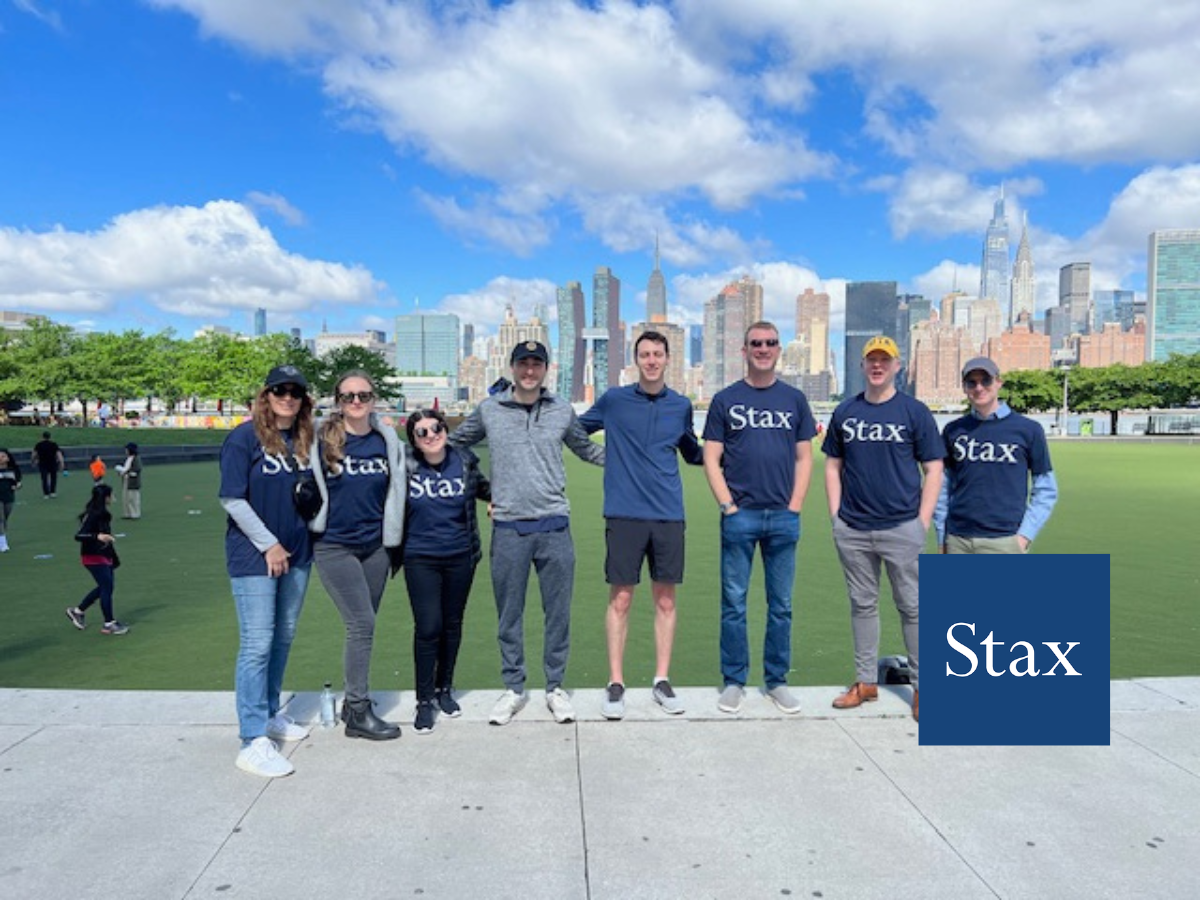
(879, 445)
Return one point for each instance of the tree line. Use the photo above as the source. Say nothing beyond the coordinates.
(49, 363)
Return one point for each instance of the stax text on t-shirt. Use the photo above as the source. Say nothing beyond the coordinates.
(759, 429)
(357, 493)
(437, 513)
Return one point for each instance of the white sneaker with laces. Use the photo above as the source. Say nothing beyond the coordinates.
(261, 758)
(560, 706)
(509, 704)
(284, 728)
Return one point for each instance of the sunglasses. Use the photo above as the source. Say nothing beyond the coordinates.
(434, 429)
(971, 383)
(287, 390)
(767, 342)
(361, 396)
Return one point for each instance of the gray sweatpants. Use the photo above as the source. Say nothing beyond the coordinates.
(552, 554)
(861, 552)
(355, 578)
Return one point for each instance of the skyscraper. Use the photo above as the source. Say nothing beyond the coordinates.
(725, 324)
(570, 341)
(993, 273)
(1075, 294)
(656, 293)
(468, 339)
(812, 327)
(1024, 282)
(870, 310)
(606, 314)
(427, 344)
(1109, 306)
(260, 322)
(696, 345)
(1173, 294)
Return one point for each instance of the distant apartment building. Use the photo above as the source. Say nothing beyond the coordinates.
(472, 375)
(695, 345)
(935, 370)
(726, 318)
(260, 322)
(572, 354)
(1075, 295)
(1020, 347)
(375, 341)
(1112, 345)
(608, 352)
(1173, 294)
(427, 344)
(985, 320)
(870, 310)
(812, 329)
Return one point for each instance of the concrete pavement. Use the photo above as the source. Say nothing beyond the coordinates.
(135, 795)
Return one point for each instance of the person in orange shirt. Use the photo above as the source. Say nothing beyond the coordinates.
(97, 467)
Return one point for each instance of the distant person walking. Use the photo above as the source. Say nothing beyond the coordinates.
(441, 551)
(646, 427)
(526, 427)
(268, 553)
(1000, 487)
(883, 470)
(131, 482)
(10, 483)
(758, 461)
(98, 553)
(359, 464)
(48, 458)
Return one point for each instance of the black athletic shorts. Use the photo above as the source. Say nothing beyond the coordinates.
(629, 541)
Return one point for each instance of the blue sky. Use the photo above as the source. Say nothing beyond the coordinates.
(175, 163)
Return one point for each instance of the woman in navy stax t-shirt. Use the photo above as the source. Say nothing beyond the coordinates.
(440, 555)
(268, 553)
(361, 477)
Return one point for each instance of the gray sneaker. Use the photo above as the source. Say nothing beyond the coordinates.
(560, 705)
(664, 696)
(509, 704)
(784, 699)
(731, 699)
(613, 706)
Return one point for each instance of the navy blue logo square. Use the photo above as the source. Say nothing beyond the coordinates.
(1014, 650)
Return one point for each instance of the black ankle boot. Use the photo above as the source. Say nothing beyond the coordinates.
(362, 722)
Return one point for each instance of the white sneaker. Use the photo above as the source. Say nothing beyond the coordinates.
(731, 699)
(784, 699)
(284, 728)
(560, 705)
(509, 704)
(261, 758)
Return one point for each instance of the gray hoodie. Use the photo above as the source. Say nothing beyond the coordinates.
(393, 505)
(529, 480)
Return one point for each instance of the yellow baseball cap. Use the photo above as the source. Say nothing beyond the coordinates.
(884, 343)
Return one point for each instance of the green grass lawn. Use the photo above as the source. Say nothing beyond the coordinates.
(24, 437)
(1134, 501)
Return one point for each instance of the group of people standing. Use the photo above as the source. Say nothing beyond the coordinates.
(381, 505)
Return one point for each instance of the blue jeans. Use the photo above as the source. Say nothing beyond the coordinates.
(776, 532)
(267, 610)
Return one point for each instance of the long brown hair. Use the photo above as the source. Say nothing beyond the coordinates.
(267, 430)
(333, 428)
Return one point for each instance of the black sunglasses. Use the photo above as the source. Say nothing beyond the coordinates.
(972, 383)
(435, 428)
(767, 342)
(288, 390)
(363, 396)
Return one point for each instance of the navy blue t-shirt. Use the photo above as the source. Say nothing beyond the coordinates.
(436, 516)
(759, 428)
(988, 462)
(881, 446)
(357, 493)
(266, 483)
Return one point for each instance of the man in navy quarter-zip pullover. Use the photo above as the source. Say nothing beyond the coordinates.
(644, 425)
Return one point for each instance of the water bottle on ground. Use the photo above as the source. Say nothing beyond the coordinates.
(328, 718)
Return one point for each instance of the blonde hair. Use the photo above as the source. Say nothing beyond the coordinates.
(333, 428)
(266, 429)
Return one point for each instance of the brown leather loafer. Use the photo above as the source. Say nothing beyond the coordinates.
(915, 693)
(858, 694)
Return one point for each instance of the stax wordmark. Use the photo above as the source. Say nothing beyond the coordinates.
(1015, 667)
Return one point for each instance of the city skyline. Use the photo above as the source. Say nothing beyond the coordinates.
(188, 162)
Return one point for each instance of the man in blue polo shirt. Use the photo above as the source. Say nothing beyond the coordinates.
(987, 503)
(644, 424)
(758, 459)
(878, 445)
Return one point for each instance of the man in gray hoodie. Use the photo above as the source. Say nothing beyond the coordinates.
(525, 427)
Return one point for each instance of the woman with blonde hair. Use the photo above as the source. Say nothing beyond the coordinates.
(361, 476)
(268, 553)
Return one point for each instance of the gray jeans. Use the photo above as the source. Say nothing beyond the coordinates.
(861, 553)
(552, 554)
(355, 578)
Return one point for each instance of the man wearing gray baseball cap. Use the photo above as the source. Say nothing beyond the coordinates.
(999, 488)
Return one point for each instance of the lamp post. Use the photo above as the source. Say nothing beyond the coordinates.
(1066, 370)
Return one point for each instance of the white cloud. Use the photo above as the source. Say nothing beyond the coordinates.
(193, 261)
(520, 234)
(484, 307)
(277, 204)
(49, 17)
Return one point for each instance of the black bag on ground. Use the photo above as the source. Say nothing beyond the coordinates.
(894, 670)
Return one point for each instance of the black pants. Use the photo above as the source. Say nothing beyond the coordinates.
(49, 481)
(438, 588)
(103, 591)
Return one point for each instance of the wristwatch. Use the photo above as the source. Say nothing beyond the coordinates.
(725, 508)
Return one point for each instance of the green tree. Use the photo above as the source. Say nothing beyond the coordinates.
(344, 359)
(1032, 390)
(41, 360)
